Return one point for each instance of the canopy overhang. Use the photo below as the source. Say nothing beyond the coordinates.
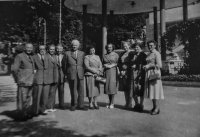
(123, 6)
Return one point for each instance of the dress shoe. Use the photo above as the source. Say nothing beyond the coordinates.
(83, 108)
(108, 106)
(62, 108)
(92, 108)
(73, 108)
(136, 108)
(155, 112)
(43, 113)
(96, 107)
(111, 106)
(51, 110)
(141, 108)
(129, 106)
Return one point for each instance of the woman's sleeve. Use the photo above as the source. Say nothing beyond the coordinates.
(144, 62)
(119, 65)
(87, 65)
(117, 58)
(158, 60)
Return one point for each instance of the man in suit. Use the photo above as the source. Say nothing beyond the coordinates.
(61, 81)
(54, 71)
(73, 68)
(24, 73)
(42, 81)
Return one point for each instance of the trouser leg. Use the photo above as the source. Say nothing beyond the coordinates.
(19, 99)
(73, 91)
(61, 94)
(44, 97)
(80, 92)
(51, 96)
(27, 95)
(37, 90)
(24, 98)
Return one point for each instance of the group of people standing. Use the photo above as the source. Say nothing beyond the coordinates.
(39, 76)
(135, 69)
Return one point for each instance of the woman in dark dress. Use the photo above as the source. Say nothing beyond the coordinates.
(137, 61)
(110, 60)
(93, 67)
(124, 76)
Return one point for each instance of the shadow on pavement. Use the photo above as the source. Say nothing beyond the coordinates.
(33, 128)
(36, 129)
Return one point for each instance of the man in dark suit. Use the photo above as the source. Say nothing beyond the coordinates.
(61, 81)
(53, 68)
(73, 68)
(24, 73)
(42, 81)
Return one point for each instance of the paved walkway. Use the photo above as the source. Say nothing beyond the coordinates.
(180, 117)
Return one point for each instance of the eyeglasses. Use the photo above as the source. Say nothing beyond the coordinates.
(42, 49)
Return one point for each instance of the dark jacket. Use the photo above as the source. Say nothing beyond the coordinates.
(72, 66)
(60, 70)
(44, 70)
(23, 69)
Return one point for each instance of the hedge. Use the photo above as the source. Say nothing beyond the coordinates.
(192, 78)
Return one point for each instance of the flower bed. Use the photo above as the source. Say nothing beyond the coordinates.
(191, 78)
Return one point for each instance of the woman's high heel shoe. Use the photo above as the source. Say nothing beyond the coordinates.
(155, 112)
(96, 107)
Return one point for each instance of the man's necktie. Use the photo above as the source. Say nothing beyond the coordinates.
(59, 60)
(42, 58)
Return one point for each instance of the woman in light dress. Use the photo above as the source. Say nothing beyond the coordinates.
(93, 67)
(154, 88)
(110, 60)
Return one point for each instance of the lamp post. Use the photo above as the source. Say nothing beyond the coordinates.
(45, 29)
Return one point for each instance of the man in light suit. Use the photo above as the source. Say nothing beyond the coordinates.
(42, 81)
(24, 73)
(73, 68)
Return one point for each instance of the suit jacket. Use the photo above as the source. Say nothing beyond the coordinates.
(23, 69)
(44, 74)
(53, 68)
(60, 71)
(72, 66)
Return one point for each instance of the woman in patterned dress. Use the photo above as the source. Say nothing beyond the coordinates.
(137, 61)
(93, 67)
(110, 60)
(124, 76)
(154, 88)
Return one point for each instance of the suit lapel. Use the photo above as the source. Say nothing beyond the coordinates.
(39, 60)
(46, 59)
(27, 58)
(73, 56)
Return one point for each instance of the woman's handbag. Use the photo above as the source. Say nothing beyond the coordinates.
(100, 79)
(155, 75)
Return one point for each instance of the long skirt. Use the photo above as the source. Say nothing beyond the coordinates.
(136, 85)
(92, 87)
(111, 81)
(153, 89)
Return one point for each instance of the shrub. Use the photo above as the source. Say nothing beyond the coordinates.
(193, 78)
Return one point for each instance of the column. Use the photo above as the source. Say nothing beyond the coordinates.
(155, 16)
(104, 26)
(84, 27)
(185, 10)
(162, 28)
(112, 26)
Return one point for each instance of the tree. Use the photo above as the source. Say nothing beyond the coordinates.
(189, 35)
